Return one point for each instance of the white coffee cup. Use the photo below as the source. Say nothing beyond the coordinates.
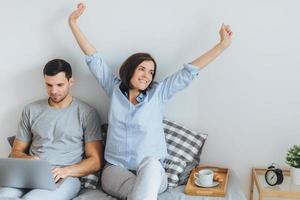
(204, 177)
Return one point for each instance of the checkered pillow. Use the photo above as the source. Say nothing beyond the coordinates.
(184, 150)
(90, 181)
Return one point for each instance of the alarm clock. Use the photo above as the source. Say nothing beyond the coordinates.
(274, 175)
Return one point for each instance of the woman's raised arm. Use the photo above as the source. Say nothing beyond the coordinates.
(82, 41)
(225, 40)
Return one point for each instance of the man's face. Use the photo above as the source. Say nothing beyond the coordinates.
(58, 87)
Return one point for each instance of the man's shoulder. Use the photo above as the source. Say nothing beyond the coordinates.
(38, 104)
(83, 106)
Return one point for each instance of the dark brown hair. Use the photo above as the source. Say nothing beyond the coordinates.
(130, 64)
(56, 66)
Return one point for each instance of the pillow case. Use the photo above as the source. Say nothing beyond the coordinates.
(184, 149)
(11, 140)
(90, 181)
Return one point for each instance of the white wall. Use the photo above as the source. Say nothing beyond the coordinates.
(247, 100)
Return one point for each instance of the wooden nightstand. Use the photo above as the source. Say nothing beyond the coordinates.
(286, 190)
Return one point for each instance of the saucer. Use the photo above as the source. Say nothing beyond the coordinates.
(214, 184)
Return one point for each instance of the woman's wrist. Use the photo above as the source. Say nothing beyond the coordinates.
(222, 45)
(72, 22)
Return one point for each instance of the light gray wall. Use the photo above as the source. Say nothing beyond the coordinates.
(247, 100)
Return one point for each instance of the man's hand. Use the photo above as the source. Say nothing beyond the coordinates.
(33, 157)
(77, 13)
(59, 173)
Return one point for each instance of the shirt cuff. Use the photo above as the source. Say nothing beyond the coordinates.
(89, 58)
(194, 70)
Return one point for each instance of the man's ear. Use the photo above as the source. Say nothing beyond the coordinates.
(71, 81)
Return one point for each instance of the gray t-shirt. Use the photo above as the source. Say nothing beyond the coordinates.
(59, 135)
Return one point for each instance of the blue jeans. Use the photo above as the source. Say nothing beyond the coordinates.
(67, 190)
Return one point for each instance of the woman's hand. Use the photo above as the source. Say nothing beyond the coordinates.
(77, 13)
(82, 41)
(225, 35)
(206, 58)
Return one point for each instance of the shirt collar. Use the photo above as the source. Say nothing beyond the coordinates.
(140, 98)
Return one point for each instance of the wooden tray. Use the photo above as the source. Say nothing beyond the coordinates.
(219, 191)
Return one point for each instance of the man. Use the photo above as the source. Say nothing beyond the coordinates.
(60, 129)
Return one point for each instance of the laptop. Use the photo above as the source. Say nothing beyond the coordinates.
(27, 174)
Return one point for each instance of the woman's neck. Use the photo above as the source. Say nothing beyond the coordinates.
(133, 93)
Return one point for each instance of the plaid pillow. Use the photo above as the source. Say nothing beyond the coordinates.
(90, 181)
(184, 150)
(11, 140)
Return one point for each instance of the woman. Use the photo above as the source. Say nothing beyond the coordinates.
(135, 146)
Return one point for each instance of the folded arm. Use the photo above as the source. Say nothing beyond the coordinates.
(19, 150)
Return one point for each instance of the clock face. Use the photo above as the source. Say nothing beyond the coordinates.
(271, 177)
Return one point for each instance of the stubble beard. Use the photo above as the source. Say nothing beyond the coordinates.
(60, 100)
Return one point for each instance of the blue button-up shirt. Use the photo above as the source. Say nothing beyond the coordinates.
(136, 131)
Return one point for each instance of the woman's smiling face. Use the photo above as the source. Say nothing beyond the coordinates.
(143, 75)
